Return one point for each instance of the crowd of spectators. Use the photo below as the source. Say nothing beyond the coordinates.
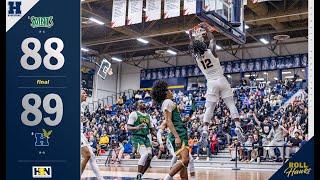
(265, 121)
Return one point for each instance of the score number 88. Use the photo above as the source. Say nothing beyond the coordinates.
(33, 53)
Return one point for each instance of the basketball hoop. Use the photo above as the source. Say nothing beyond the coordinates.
(197, 31)
(281, 37)
(211, 28)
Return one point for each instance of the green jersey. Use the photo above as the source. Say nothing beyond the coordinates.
(137, 118)
(177, 122)
(140, 137)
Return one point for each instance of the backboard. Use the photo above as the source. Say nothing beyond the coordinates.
(225, 15)
(104, 68)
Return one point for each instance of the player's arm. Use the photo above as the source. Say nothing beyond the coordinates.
(193, 55)
(191, 37)
(132, 118)
(168, 118)
(168, 107)
(152, 129)
(134, 128)
(159, 136)
(160, 131)
(212, 41)
(191, 44)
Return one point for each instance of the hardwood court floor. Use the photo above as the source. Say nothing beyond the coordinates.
(128, 173)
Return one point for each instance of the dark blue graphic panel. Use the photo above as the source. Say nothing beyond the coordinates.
(42, 90)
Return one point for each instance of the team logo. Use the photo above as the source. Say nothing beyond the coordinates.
(41, 172)
(14, 8)
(297, 168)
(42, 139)
(41, 22)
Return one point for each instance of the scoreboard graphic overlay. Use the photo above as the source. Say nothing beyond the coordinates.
(43, 89)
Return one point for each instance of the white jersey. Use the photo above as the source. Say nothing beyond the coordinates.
(209, 65)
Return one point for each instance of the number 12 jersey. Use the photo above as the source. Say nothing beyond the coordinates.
(209, 65)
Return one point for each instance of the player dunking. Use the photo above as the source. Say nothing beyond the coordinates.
(174, 159)
(86, 150)
(140, 124)
(217, 85)
(178, 131)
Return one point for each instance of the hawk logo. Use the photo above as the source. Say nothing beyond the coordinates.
(41, 172)
(42, 139)
(42, 22)
(14, 8)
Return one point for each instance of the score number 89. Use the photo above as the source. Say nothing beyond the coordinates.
(34, 108)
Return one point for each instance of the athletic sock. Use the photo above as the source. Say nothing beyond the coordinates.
(167, 177)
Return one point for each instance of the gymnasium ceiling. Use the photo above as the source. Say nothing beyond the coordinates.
(265, 19)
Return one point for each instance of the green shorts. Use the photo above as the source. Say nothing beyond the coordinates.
(138, 141)
(184, 141)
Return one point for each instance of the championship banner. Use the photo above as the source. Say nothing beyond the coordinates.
(153, 10)
(42, 89)
(171, 8)
(119, 13)
(134, 12)
(189, 7)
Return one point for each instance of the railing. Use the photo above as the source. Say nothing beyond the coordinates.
(236, 159)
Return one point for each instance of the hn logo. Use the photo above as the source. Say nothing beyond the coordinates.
(14, 8)
(42, 139)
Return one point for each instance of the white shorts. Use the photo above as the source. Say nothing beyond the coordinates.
(218, 88)
(84, 141)
(142, 150)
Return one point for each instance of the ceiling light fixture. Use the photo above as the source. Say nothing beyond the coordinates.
(264, 41)
(116, 59)
(96, 21)
(143, 40)
(171, 52)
